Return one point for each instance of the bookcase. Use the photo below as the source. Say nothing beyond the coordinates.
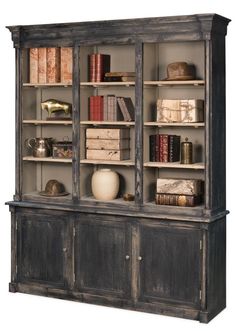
(135, 254)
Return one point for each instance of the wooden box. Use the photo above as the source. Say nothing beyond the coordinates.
(179, 186)
(189, 110)
(107, 133)
(108, 144)
(112, 155)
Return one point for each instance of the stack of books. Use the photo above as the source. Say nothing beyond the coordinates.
(111, 108)
(164, 148)
(50, 65)
(179, 192)
(98, 65)
(117, 76)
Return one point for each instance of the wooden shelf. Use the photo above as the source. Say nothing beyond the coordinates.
(119, 201)
(45, 122)
(106, 84)
(174, 82)
(162, 207)
(160, 124)
(110, 162)
(121, 123)
(46, 159)
(47, 85)
(177, 165)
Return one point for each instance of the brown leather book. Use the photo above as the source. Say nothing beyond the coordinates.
(33, 65)
(66, 65)
(53, 65)
(42, 65)
(177, 200)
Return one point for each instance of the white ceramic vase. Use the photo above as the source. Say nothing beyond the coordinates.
(105, 184)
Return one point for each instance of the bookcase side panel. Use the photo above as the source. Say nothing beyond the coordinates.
(215, 125)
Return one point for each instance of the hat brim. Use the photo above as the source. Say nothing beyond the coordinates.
(181, 78)
(46, 194)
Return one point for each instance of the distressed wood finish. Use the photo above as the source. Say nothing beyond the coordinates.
(134, 255)
(76, 125)
(192, 27)
(139, 124)
(102, 256)
(18, 116)
(174, 256)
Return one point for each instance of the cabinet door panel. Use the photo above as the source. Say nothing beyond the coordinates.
(41, 243)
(170, 265)
(101, 247)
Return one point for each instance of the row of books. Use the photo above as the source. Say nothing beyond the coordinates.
(98, 65)
(111, 108)
(50, 65)
(164, 148)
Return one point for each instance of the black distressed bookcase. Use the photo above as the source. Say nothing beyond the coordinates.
(133, 255)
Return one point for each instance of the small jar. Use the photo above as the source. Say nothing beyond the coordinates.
(186, 152)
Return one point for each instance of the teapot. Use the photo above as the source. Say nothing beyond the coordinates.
(40, 147)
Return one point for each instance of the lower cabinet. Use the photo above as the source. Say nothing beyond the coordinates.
(41, 248)
(170, 265)
(102, 254)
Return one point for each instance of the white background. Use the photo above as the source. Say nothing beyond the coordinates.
(27, 312)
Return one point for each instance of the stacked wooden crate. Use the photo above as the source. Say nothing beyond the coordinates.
(107, 144)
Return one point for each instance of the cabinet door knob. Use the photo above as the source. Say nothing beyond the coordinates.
(140, 258)
(64, 249)
(127, 257)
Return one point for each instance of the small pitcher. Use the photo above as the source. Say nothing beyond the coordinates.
(40, 147)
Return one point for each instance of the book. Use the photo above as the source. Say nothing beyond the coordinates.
(66, 65)
(96, 108)
(120, 74)
(42, 65)
(119, 79)
(178, 200)
(173, 148)
(98, 65)
(33, 65)
(180, 186)
(53, 65)
(152, 147)
(163, 148)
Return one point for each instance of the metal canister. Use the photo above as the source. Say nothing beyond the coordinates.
(186, 152)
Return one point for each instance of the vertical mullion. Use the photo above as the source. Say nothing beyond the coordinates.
(18, 116)
(139, 123)
(76, 125)
(208, 124)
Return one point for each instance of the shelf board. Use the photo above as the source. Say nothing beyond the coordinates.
(176, 165)
(106, 84)
(174, 82)
(45, 122)
(163, 207)
(47, 85)
(160, 124)
(122, 123)
(110, 162)
(119, 201)
(46, 159)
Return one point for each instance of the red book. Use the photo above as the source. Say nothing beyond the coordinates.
(92, 67)
(163, 148)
